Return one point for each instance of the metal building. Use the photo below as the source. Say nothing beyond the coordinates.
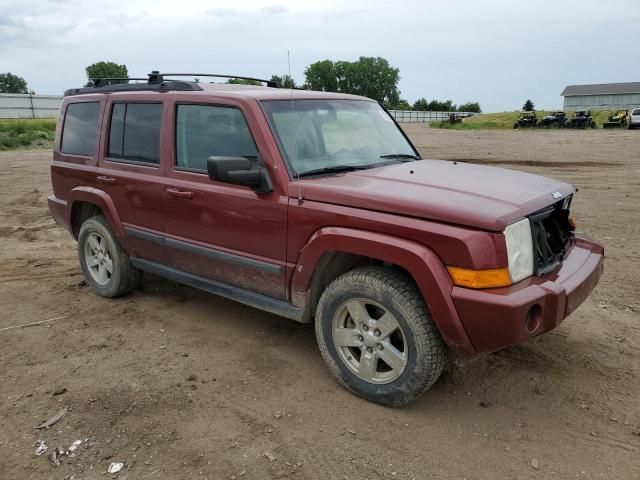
(603, 96)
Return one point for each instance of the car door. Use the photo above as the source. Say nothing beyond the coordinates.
(131, 170)
(222, 232)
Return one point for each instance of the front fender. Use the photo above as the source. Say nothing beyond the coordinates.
(423, 264)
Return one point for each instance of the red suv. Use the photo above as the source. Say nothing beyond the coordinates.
(317, 207)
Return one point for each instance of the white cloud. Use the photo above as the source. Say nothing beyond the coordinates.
(497, 52)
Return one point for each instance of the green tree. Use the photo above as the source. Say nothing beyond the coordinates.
(285, 81)
(371, 77)
(473, 107)
(434, 105)
(402, 104)
(106, 70)
(421, 104)
(528, 106)
(321, 76)
(10, 83)
(242, 81)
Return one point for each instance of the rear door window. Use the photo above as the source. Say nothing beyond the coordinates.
(203, 131)
(134, 133)
(80, 129)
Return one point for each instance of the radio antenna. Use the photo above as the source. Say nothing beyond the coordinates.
(291, 102)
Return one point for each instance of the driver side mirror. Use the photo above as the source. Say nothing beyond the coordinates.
(239, 171)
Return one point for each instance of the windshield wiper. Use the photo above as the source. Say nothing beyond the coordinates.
(334, 169)
(401, 156)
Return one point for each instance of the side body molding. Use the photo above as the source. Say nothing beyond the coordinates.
(422, 263)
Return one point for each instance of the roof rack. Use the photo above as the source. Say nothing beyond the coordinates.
(160, 77)
(101, 82)
(154, 81)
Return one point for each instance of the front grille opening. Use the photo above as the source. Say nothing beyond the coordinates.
(551, 232)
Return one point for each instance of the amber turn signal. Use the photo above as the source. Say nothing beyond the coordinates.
(491, 278)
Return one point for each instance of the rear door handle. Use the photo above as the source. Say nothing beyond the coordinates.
(104, 179)
(179, 193)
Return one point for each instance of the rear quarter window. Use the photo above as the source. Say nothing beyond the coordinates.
(80, 128)
(636, 112)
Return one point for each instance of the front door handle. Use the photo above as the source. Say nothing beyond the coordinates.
(104, 179)
(179, 193)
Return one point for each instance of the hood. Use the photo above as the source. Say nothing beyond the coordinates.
(460, 193)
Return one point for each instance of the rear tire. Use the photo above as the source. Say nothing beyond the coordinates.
(105, 264)
(377, 336)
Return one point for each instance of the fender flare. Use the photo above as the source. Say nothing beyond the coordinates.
(422, 263)
(101, 199)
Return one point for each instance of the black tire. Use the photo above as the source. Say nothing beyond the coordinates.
(124, 277)
(425, 352)
(593, 124)
(515, 126)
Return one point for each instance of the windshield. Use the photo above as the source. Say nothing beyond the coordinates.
(320, 136)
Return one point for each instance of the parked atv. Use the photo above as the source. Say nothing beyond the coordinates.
(619, 120)
(581, 119)
(454, 118)
(553, 120)
(526, 120)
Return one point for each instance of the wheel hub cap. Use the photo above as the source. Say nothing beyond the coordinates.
(369, 341)
(98, 258)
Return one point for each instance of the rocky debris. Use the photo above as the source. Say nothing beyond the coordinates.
(115, 467)
(52, 420)
(270, 456)
(41, 447)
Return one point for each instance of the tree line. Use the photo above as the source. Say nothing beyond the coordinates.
(371, 77)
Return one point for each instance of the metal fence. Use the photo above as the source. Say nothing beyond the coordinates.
(418, 116)
(17, 105)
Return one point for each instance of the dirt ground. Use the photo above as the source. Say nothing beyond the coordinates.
(181, 384)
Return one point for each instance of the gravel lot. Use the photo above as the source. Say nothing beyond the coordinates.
(181, 384)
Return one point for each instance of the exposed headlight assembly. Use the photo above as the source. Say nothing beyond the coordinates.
(519, 252)
(519, 249)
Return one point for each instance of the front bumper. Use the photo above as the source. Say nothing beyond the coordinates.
(497, 318)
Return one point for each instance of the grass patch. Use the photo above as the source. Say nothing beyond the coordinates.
(27, 133)
(505, 120)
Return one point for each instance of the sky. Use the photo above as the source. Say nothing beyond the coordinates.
(496, 52)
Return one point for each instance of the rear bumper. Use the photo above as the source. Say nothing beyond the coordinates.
(58, 210)
(501, 317)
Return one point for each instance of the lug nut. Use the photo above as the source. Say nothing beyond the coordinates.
(376, 332)
(360, 338)
(369, 349)
(365, 328)
(379, 346)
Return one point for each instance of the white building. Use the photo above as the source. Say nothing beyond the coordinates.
(603, 96)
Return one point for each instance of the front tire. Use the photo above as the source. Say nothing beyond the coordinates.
(377, 336)
(105, 264)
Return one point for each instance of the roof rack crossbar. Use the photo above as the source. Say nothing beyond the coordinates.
(159, 77)
(100, 81)
(168, 85)
(154, 81)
